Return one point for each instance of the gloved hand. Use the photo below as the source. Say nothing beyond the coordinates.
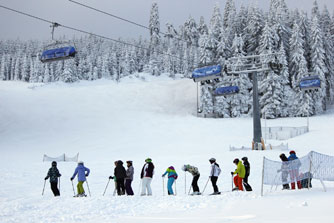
(232, 173)
(86, 174)
(59, 175)
(111, 177)
(45, 178)
(71, 178)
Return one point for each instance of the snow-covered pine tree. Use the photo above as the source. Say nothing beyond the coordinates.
(318, 65)
(154, 25)
(253, 30)
(270, 87)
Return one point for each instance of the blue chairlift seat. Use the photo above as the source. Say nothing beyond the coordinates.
(206, 73)
(228, 90)
(310, 83)
(58, 54)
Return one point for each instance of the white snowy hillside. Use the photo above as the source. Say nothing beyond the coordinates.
(135, 119)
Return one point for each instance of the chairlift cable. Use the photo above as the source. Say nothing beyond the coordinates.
(86, 32)
(125, 20)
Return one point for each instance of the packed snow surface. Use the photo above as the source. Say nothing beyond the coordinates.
(105, 121)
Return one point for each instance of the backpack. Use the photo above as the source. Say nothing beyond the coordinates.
(218, 168)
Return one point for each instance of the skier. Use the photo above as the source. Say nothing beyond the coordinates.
(82, 172)
(240, 174)
(194, 171)
(172, 176)
(294, 165)
(129, 178)
(146, 175)
(247, 168)
(214, 173)
(114, 178)
(285, 171)
(120, 174)
(53, 173)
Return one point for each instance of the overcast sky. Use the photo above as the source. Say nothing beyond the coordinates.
(64, 12)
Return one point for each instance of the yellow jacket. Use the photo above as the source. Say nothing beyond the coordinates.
(241, 171)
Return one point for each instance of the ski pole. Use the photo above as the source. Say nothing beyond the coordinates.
(206, 185)
(140, 185)
(73, 187)
(114, 193)
(163, 186)
(189, 189)
(88, 188)
(175, 188)
(232, 182)
(59, 184)
(106, 188)
(43, 187)
(185, 182)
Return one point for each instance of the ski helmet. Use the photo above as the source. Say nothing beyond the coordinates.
(292, 152)
(244, 159)
(129, 161)
(212, 160)
(54, 163)
(81, 162)
(236, 161)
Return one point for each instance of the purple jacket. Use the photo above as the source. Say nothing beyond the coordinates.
(81, 171)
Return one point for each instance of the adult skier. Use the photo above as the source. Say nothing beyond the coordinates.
(214, 173)
(285, 171)
(53, 174)
(82, 172)
(247, 168)
(172, 176)
(120, 174)
(146, 175)
(294, 165)
(240, 174)
(129, 178)
(194, 171)
(114, 178)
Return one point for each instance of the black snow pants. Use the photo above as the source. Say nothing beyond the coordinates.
(194, 183)
(54, 188)
(120, 186)
(214, 184)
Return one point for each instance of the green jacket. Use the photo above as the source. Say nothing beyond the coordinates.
(241, 171)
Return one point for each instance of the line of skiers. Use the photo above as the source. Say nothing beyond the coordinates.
(292, 169)
(124, 177)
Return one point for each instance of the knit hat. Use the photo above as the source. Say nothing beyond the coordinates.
(148, 160)
(54, 163)
(212, 160)
(292, 152)
(171, 168)
(81, 162)
(244, 159)
(236, 161)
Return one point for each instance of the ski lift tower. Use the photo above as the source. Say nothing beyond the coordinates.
(254, 64)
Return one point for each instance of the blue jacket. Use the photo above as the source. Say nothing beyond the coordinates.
(81, 171)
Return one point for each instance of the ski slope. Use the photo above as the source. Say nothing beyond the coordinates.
(135, 119)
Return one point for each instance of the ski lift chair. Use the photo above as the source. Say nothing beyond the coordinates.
(206, 73)
(310, 83)
(228, 90)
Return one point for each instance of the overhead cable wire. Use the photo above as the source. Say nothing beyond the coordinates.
(125, 20)
(86, 32)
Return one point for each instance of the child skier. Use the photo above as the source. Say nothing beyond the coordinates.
(82, 172)
(285, 171)
(53, 173)
(240, 174)
(214, 173)
(172, 176)
(247, 168)
(294, 165)
(129, 178)
(120, 174)
(194, 171)
(146, 175)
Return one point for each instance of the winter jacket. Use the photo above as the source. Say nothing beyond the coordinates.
(148, 170)
(215, 170)
(294, 163)
(247, 168)
(193, 170)
(241, 171)
(81, 171)
(171, 173)
(53, 173)
(129, 173)
(119, 170)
